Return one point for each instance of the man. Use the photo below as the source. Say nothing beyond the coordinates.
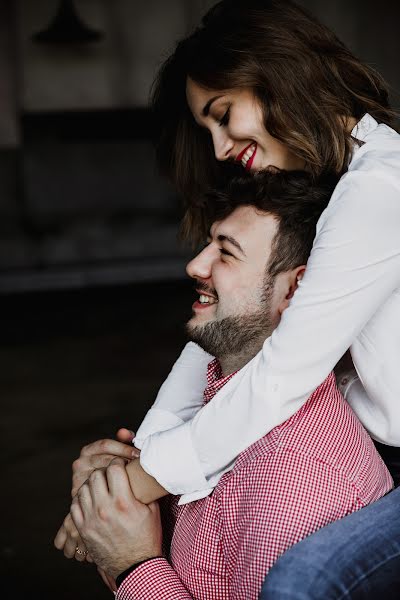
(316, 467)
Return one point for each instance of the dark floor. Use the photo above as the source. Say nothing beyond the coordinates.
(75, 366)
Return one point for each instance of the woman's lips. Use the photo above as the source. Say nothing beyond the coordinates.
(246, 156)
(243, 152)
(251, 160)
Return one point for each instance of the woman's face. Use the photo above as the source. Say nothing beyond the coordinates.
(235, 120)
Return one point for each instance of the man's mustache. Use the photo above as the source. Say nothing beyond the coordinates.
(200, 285)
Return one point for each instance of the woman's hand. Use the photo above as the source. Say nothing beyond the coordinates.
(69, 540)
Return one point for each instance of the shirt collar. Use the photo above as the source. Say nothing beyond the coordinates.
(364, 126)
(215, 380)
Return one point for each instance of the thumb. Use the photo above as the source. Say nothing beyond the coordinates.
(125, 435)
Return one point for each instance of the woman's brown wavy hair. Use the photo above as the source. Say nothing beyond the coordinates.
(307, 81)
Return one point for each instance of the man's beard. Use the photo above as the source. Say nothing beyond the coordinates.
(236, 335)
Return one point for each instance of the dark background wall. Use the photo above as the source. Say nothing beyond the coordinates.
(80, 200)
(92, 287)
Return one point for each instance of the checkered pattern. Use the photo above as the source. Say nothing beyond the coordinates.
(318, 466)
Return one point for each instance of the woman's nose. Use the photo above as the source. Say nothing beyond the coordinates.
(223, 146)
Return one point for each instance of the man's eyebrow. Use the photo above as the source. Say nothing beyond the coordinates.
(206, 108)
(227, 238)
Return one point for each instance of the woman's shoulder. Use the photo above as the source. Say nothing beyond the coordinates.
(369, 190)
(377, 156)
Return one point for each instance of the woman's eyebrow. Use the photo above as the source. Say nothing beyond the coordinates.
(206, 108)
(227, 238)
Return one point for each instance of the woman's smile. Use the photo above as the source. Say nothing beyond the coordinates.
(239, 132)
(246, 156)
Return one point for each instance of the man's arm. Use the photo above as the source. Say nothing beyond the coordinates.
(119, 532)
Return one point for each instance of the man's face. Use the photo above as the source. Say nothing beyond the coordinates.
(236, 307)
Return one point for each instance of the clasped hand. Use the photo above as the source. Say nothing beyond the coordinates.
(117, 529)
(97, 455)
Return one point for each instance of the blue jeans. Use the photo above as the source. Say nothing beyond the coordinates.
(356, 558)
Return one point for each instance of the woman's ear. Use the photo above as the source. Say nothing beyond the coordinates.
(292, 283)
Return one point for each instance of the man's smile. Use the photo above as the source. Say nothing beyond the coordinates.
(205, 300)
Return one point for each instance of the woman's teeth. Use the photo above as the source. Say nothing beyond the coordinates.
(248, 154)
(207, 299)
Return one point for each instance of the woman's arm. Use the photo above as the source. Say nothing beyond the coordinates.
(181, 395)
(353, 269)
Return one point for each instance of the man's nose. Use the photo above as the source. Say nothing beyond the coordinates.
(223, 146)
(200, 266)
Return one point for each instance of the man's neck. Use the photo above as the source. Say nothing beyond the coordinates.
(234, 362)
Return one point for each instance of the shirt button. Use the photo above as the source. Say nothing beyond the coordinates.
(344, 381)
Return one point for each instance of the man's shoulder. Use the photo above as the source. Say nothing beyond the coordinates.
(324, 429)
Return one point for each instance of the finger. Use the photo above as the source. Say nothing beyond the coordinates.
(76, 513)
(98, 485)
(80, 474)
(125, 435)
(118, 482)
(118, 461)
(113, 447)
(61, 538)
(71, 544)
(80, 550)
(85, 499)
(72, 537)
(135, 452)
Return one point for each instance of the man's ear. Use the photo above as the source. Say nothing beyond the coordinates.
(292, 283)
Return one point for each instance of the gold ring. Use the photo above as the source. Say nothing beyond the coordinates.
(81, 552)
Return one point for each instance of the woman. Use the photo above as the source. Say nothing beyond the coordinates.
(263, 84)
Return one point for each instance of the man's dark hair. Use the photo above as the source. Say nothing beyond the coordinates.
(295, 198)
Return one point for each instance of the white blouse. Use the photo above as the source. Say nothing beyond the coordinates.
(349, 297)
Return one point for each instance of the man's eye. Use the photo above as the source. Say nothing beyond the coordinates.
(223, 251)
(225, 119)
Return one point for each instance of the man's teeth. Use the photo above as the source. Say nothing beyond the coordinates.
(207, 299)
(248, 154)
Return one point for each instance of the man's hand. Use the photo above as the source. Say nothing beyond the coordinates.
(99, 455)
(93, 456)
(117, 529)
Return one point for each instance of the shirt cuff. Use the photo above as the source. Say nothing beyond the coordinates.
(153, 580)
(156, 420)
(171, 453)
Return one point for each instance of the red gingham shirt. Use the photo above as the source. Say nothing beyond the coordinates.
(318, 466)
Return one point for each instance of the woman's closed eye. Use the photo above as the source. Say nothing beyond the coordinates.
(225, 119)
(225, 252)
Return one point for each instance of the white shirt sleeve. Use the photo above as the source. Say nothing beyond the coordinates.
(353, 268)
(180, 396)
